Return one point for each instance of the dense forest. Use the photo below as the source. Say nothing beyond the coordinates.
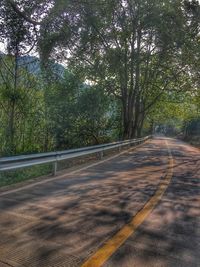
(83, 72)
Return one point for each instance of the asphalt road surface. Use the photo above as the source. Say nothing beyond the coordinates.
(141, 208)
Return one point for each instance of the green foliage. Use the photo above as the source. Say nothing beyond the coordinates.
(175, 110)
(94, 115)
(21, 103)
(17, 176)
(141, 59)
(37, 116)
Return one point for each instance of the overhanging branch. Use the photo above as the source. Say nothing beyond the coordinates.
(22, 14)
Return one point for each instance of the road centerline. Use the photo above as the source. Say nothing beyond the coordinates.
(111, 246)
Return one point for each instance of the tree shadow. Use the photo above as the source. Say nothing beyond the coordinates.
(64, 221)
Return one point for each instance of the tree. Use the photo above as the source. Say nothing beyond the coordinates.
(126, 46)
(93, 124)
(61, 109)
(140, 54)
(17, 36)
(20, 107)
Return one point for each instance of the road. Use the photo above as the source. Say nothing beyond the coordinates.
(140, 208)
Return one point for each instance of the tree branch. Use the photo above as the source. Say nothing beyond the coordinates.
(22, 14)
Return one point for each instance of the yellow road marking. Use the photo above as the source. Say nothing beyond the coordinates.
(106, 251)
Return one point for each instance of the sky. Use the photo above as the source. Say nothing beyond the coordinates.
(2, 47)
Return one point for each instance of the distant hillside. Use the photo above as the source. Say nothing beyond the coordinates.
(32, 64)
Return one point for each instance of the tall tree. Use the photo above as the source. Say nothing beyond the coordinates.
(128, 46)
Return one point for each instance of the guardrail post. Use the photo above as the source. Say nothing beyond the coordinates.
(120, 147)
(55, 166)
(101, 155)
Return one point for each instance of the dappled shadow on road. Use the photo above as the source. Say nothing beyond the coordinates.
(66, 220)
(171, 234)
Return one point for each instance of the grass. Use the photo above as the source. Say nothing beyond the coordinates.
(21, 175)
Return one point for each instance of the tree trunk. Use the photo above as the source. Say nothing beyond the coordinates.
(127, 119)
(140, 126)
(11, 129)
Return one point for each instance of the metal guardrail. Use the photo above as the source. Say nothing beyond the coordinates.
(23, 161)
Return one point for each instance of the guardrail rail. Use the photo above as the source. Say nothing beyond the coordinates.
(23, 161)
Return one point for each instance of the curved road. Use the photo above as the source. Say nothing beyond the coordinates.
(141, 208)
